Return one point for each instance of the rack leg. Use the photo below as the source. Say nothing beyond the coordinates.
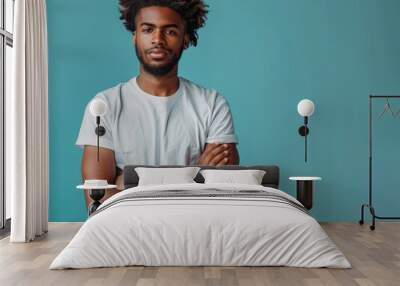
(361, 221)
(374, 216)
(372, 210)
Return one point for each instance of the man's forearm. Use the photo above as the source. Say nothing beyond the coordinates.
(234, 158)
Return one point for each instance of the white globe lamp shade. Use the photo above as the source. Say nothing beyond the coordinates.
(98, 107)
(305, 107)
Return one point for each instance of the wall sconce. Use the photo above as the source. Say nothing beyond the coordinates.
(305, 108)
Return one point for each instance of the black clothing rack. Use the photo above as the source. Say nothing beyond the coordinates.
(370, 203)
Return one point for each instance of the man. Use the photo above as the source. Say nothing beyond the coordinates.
(158, 118)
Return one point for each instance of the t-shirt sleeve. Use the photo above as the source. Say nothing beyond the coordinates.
(87, 135)
(221, 129)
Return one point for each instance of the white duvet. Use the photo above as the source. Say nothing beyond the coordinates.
(200, 231)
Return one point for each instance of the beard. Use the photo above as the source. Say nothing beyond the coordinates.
(159, 70)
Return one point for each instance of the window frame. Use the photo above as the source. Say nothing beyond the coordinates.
(6, 39)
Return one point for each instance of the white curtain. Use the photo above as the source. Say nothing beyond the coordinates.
(27, 124)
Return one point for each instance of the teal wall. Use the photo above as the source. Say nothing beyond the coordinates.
(264, 56)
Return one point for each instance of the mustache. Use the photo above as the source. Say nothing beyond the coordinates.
(158, 48)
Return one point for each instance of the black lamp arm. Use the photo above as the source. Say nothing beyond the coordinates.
(304, 131)
(100, 131)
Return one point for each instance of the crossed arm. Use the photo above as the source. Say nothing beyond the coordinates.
(214, 154)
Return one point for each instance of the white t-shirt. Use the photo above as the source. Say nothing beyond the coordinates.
(159, 130)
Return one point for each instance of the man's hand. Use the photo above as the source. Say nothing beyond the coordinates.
(216, 154)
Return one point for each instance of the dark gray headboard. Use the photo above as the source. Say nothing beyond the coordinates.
(271, 177)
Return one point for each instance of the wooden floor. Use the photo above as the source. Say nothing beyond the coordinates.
(375, 257)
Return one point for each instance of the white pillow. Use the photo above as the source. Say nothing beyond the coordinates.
(162, 176)
(249, 177)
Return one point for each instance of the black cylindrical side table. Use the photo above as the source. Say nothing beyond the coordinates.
(304, 189)
(96, 195)
(97, 189)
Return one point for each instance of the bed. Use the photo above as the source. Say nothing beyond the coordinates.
(198, 224)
